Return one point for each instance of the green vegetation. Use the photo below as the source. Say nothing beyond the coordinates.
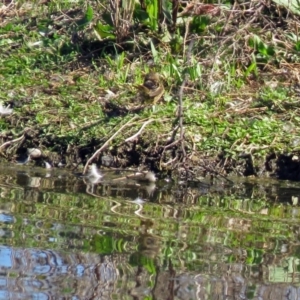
(69, 71)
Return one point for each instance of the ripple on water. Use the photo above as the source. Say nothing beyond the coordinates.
(63, 236)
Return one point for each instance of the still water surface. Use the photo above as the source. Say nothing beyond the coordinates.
(63, 237)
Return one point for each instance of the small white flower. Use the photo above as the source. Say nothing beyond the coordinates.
(217, 87)
(109, 95)
(5, 110)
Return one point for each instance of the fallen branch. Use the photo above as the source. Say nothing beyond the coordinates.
(21, 138)
(165, 148)
(170, 161)
(131, 138)
(11, 142)
(106, 143)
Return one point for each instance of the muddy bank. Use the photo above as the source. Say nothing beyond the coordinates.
(144, 154)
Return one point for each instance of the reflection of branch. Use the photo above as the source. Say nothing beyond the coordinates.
(107, 142)
(146, 176)
(90, 190)
(138, 211)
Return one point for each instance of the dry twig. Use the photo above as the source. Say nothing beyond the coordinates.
(131, 138)
(19, 139)
(129, 123)
(180, 104)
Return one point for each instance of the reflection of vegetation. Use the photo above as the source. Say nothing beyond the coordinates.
(74, 67)
(150, 245)
(143, 261)
(102, 244)
(98, 225)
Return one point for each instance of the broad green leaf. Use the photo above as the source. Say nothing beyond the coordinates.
(152, 10)
(252, 67)
(154, 52)
(89, 14)
(87, 17)
(104, 31)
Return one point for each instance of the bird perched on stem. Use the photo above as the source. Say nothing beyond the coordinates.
(152, 89)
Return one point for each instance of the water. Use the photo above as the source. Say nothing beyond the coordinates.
(63, 237)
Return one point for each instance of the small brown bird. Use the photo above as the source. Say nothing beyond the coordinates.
(152, 89)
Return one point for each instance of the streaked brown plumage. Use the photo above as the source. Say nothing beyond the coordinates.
(152, 89)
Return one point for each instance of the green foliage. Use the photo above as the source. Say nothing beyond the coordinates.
(104, 31)
(38, 55)
(87, 18)
(297, 46)
(195, 70)
(154, 53)
(176, 43)
(264, 50)
(294, 38)
(42, 69)
(292, 5)
(272, 97)
(199, 24)
(152, 11)
(251, 69)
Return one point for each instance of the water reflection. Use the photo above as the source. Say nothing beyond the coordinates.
(64, 237)
(46, 274)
